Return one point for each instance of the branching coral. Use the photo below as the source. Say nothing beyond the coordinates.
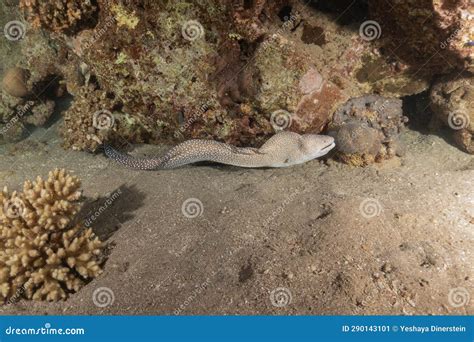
(41, 256)
(58, 15)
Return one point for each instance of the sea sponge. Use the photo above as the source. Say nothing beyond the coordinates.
(367, 129)
(58, 15)
(44, 254)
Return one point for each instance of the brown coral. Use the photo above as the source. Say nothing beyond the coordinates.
(41, 256)
(58, 15)
(95, 117)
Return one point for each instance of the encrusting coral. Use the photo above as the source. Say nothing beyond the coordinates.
(221, 69)
(451, 101)
(97, 115)
(58, 15)
(44, 255)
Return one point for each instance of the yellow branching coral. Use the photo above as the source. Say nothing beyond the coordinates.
(44, 254)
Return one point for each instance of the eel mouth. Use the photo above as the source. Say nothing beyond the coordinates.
(329, 146)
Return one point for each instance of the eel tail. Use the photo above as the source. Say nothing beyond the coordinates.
(131, 162)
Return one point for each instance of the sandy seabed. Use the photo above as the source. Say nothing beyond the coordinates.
(319, 238)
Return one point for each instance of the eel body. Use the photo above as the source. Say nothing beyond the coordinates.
(281, 150)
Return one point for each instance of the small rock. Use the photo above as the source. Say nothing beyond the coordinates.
(387, 268)
(311, 81)
(14, 82)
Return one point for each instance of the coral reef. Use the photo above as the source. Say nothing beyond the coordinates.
(44, 254)
(16, 112)
(446, 28)
(221, 83)
(221, 69)
(58, 15)
(11, 128)
(366, 129)
(452, 99)
(29, 86)
(96, 117)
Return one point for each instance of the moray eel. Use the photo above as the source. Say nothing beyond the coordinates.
(281, 150)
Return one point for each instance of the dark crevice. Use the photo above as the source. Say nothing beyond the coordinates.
(285, 13)
(248, 4)
(345, 12)
(417, 109)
